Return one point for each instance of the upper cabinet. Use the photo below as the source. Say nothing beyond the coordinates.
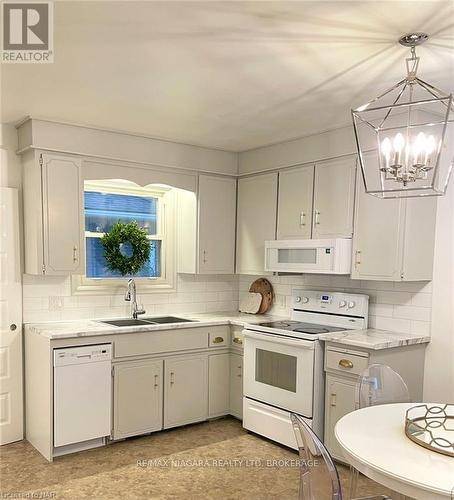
(206, 227)
(317, 201)
(257, 206)
(394, 238)
(294, 220)
(334, 194)
(53, 215)
(217, 211)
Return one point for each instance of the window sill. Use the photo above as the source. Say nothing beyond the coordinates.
(80, 285)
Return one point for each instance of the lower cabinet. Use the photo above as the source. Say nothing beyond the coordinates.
(340, 397)
(236, 385)
(186, 390)
(138, 387)
(218, 395)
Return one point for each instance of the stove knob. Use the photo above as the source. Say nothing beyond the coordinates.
(297, 299)
(305, 300)
(351, 305)
(342, 303)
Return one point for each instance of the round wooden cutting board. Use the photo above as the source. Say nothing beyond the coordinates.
(264, 287)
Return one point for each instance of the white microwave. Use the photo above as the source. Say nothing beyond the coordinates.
(330, 256)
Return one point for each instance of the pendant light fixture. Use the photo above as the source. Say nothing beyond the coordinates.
(405, 136)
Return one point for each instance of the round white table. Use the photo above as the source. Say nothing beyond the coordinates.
(373, 440)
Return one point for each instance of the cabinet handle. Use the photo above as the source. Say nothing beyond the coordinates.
(204, 256)
(333, 399)
(240, 368)
(218, 340)
(302, 219)
(346, 363)
(75, 258)
(237, 340)
(357, 258)
(317, 217)
(172, 378)
(156, 381)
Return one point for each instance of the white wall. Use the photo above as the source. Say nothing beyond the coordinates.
(439, 371)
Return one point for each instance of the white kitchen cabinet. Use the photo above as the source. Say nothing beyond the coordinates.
(53, 214)
(394, 239)
(236, 385)
(339, 400)
(257, 206)
(334, 192)
(206, 227)
(138, 388)
(186, 390)
(217, 212)
(294, 220)
(218, 383)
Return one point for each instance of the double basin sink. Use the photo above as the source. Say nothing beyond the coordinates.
(161, 320)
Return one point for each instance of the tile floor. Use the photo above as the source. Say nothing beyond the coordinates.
(211, 460)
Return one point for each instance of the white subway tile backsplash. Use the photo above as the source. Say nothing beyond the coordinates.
(403, 307)
(411, 312)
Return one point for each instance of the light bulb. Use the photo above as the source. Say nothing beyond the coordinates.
(419, 146)
(398, 142)
(430, 145)
(386, 147)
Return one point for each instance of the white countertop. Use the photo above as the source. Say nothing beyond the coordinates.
(89, 328)
(368, 339)
(374, 339)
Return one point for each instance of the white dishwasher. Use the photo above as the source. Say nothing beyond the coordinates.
(82, 393)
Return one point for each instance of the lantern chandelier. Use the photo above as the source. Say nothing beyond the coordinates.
(405, 136)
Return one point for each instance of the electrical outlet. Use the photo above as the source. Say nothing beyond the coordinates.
(56, 303)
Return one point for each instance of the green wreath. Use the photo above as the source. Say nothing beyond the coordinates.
(115, 243)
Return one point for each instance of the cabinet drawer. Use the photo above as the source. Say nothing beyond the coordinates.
(219, 336)
(155, 342)
(346, 361)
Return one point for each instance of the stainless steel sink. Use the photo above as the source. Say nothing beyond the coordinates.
(147, 321)
(127, 322)
(168, 319)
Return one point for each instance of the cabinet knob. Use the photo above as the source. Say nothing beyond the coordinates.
(218, 340)
(346, 363)
(237, 340)
(13, 327)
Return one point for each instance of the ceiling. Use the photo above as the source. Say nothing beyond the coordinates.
(231, 75)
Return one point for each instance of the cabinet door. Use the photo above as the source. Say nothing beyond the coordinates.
(64, 249)
(236, 385)
(218, 384)
(186, 390)
(295, 203)
(339, 400)
(334, 191)
(377, 249)
(217, 211)
(257, 204)
(138, 390)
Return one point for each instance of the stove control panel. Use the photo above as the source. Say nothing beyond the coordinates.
(330, 302)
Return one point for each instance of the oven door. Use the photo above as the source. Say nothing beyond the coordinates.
(279, 371)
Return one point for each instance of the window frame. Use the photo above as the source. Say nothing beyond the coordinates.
(81, 284)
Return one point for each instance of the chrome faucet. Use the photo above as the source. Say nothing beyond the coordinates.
(131, 296)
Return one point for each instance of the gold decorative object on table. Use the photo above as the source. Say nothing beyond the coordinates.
(432, 426)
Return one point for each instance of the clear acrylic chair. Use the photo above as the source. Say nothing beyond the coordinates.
(378, 385)
(319, 479)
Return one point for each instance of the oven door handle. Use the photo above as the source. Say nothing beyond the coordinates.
(278, 339)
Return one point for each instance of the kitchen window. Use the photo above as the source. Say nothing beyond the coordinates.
(108, 202)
